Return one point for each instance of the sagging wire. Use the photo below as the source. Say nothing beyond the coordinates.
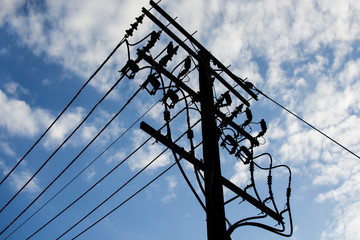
(244, 222)
(190, 136)
(81, 152)
(83, 170)
(128, 199)
(231, 142)
(174, 98)
(105, 176)
(66, 107)
(128, 66)
(122, 186)
(307, 123)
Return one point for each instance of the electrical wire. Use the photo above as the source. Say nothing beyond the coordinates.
(61, 145)
(118, 165)
(66, 107)
(121, 187)
(307, 123)
(84, 169)
(129, 198)
(58, 176)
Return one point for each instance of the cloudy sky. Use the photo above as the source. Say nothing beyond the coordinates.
(302, 54)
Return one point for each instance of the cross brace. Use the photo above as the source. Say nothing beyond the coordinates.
(187, 156)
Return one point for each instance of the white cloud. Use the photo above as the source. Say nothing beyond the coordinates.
(345, 225)
(168, 198)
(5, 148)
(66, 124)
(17, 180)
(16, 111)
(15, 89)
(172, 181)
(116, 158)
(147, 153)
(241, 176)
(307, 48)
(8, 7)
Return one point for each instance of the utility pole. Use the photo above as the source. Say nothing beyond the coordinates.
(215, 213)
(238, 139)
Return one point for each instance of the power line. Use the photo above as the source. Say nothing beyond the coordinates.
(79, 153)
(67, 106)
(86, 167)
(129, 198)
(114, 168)
(121, 187)
(307, 123)
(94, 185)
(62, 144)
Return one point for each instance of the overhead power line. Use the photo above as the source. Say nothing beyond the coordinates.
(83, 170)
(115, 192)
(128, 102)
(310, 125)
(67, 106)
(128, 199)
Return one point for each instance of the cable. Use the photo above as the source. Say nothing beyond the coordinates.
(61, 145)
(89, 189)
(83, 169)
(67, 106)
(78, 154)
(121, 187)
(307, 123)
(129, 198)
(113, 169)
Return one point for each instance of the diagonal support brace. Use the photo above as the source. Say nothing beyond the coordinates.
(199, 164)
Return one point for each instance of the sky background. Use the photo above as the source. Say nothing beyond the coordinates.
(303, 54)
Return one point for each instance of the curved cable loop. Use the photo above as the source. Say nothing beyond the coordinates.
(244, 222)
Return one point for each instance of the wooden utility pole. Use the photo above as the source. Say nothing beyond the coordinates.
(210, 165)
(214, 197)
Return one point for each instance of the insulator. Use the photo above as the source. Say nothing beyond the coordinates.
(249, 117)
(187, 65)
(224, 100)
(248, 154)
(154, 82)
(190, 134)
(173, 97)
(140, 18)
(269, 180)
(249, 84)
(230, 141)
(171, 51)
(170, 48)
(132, 66)
(166, 115)
(237, 110)
(288, 192)
(129, 32)
(154, 36)
(134, 25)
(263, 128)
(251, 166)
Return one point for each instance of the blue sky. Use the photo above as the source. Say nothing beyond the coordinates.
(303, 54)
